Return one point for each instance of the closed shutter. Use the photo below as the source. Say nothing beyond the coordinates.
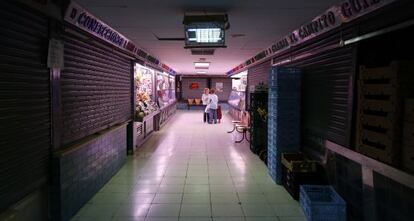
(327, 91)
(96, 88)
(24, 102)
(257, 74)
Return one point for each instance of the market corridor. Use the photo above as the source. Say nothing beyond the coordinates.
(192, 171)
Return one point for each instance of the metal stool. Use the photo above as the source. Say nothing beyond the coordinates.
(242, 129)
(234, 125)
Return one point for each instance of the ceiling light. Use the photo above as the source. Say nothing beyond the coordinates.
(201, 72)
(201, 65)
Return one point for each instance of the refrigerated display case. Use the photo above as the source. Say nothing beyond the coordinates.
(163, 89)
(144, 98)
(146, 109)
(166, 97)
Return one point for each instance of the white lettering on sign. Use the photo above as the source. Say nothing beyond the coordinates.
(77, 16)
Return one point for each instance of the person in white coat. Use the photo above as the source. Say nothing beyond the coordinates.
(205, 99)
(212, 107)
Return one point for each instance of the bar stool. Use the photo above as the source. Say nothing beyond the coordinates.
(234, 122)
(243, 130)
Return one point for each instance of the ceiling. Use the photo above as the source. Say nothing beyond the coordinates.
(263, 22)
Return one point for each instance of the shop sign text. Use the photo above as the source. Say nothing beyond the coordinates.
(331, 19)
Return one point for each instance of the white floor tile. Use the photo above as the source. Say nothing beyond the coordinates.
(192, 171)
(227, 210)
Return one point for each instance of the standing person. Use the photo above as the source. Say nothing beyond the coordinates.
(205, 98)
(212, 107)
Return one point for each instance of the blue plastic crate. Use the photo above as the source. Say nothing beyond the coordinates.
(283, 116)
(322, 203)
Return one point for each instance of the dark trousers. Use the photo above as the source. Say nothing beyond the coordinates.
(205, 115)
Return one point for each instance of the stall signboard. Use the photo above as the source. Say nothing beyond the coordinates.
(84, 20)
(79, 17)
(332, 18)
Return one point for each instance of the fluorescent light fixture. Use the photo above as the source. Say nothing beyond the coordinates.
(201, 72)
(201, 65)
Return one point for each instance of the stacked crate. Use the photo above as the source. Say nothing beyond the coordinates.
(283, 117)
(408, 135)
(297, 171)
(378, 114)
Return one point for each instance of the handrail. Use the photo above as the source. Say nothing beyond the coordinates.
(83, 142)
(379, 167)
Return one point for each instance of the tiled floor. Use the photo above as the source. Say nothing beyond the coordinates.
(192, 171)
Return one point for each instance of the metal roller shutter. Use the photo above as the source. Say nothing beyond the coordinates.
(24, 102)
(327, 95)
(257, 74)
(96, 88)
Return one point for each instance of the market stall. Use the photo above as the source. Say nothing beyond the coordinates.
(166, 97)
(155, 101)
(145, 106)
(237, 98)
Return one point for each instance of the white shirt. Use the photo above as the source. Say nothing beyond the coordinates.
(205, 99)
(213, 102)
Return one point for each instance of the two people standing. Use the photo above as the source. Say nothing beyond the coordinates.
(210, 99)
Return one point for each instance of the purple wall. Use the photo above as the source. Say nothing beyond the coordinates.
(193, 93)
(203, 83)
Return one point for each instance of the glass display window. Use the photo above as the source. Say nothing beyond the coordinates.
(239, 81)
(144, 89)
(237, 98)
(144, 82)
(163, 89)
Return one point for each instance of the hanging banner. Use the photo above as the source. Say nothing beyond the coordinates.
(79, 17)
(332, 18)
